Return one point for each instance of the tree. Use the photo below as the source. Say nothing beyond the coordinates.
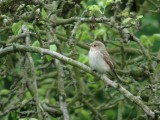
(44, 64)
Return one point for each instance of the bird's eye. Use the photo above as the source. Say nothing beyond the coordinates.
(94, 45)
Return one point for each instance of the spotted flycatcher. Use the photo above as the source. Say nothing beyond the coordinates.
(99, 58)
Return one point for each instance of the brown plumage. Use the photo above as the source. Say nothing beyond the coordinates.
(99, 58)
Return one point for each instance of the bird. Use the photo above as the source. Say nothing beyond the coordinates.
(99, 59)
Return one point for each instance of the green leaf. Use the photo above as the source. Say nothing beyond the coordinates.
(156, 36)
(125, 13)
(111, 115)
(94, 10)
(36, 43)
(133, 22)
(44, 14)
(83, 114)
(49, 58)
(108, 2)
(105, 3)
(16, 27)
(100, 33)
(53, 47)
(140, 16)
(127, 20)
(146, 41)
(85, 36)
(83, 58)
(30, 26)
(4, 92)
(155, 39)
(28, 95)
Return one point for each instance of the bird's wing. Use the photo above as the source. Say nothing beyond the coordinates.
(107, 58)
(109, 62)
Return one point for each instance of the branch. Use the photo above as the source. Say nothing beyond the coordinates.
(14, 107)
(126, 35)
(62, 95)
(72, 40)
(87, 104)
(126, 93)
(14, 38)
(51, 110)
(30, 71)
(145, 52)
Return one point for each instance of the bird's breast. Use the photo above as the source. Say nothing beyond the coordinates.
(97, 62)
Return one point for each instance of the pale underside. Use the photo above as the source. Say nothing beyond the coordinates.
(97, 62)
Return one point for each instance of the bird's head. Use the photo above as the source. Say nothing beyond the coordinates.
(97, 45)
